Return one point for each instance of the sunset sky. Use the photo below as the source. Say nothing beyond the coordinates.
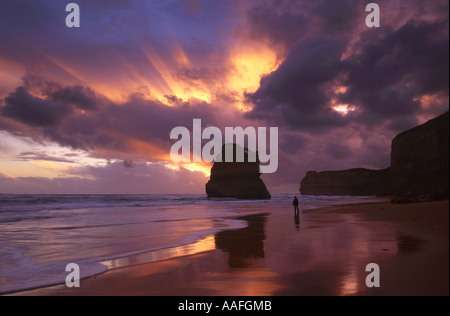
(90, 109)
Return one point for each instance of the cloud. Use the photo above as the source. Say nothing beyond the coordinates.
(75, 117)
(391, 73)
(79, 96)
(51, 106)
(284, 23)
(338, 16)
(338, 151)
(4, 177)
(281, 22)
(384, 79)
(128, 164)
(23, 107)
(295, 91)
(292, 143)
(39, 156)
(111, 179)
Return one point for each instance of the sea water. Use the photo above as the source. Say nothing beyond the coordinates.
(41, 234)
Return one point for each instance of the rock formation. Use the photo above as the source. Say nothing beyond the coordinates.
(354, 182)
(419, 169)
(241, 180)
(419, 161)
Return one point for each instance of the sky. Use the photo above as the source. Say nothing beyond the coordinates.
(90, 109)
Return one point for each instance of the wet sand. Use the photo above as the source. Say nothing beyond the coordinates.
(323, 252)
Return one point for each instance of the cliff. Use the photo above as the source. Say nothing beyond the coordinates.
(419, 160)
(241, 180)
(419, 169)
(354, 182)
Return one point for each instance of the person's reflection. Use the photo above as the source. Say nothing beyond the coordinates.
(297, 221)
(244, 244)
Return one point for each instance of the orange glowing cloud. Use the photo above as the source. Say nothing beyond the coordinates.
(203, 167)
(250, 62)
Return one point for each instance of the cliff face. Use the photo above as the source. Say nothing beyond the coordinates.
(419, 169)
(241, 180)
(354, 182)
(420, 159)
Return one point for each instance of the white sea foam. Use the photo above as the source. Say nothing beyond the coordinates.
(19, 273)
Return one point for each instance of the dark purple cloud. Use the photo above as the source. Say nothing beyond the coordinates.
(79, 96)
(391, 72)
(23, 107)
(296, 92)
(338, 151)
(53, 104)
(338, 16)
(292, 143)
(281, 22)
(128, 164)
(285, 22)
(385, 73)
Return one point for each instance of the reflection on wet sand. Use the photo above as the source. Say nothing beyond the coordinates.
(240, 244)
(327, 260)
(203, 245)
(297, 221)
(408, 244)
(329, 255)
(243, 244)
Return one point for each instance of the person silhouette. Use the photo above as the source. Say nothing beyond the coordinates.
(296, 209)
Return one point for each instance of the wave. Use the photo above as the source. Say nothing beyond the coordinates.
(32, 203)
(57, 202)
(20, 273)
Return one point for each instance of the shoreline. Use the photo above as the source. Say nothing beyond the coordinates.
(202, 245)
(323, 253)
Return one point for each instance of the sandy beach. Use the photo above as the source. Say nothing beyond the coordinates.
(324, 252)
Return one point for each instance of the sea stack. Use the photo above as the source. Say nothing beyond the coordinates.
(240, 180)
(353, 182)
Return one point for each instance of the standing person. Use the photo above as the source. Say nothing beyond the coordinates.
(296, 209)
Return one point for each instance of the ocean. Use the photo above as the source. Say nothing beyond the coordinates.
(41, 234)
